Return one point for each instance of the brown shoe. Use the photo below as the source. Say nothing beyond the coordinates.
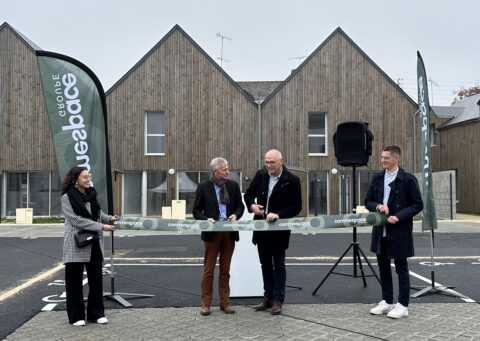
(227, 309)
(205, 311)
(277, 308)
(264, 305)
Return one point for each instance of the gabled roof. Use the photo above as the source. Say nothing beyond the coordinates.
(463, 111)
(27, 41)
(154, 48)
(307, 60)
(259, 90)
(445, 111)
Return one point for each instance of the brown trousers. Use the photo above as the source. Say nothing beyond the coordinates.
(223, 245)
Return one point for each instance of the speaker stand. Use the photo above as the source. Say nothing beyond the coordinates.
(357, 250)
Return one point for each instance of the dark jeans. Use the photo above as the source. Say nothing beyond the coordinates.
(74, 287)
(401, 268)
(273, 272)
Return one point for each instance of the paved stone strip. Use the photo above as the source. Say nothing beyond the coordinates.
(436, 321)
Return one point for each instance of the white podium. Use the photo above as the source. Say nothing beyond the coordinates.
(245, 269)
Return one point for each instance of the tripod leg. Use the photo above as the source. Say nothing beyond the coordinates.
(293, 287)
(332, 269)
(369, 264)
(356, 255)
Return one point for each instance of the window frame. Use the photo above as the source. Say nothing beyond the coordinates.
(325, 136)
(147, 135)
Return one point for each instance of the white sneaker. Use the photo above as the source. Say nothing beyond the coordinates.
(398, 311)
(382, 308)
(102, 320)
(79, 323)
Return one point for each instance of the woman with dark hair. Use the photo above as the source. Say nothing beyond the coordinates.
(82, 212)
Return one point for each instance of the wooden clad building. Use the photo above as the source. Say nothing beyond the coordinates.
(337, 83)
(27, 158)
(457, 149)
(202, 114)
(176, 109)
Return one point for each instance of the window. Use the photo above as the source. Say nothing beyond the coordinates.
(155, 133)
(317, 133)
(363, 180)
(318, 193)
(156, 192)
(132, 197)
(433, 135)
(37, 190)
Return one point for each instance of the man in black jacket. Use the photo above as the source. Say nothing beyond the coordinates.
(274, 193)
(395, 193)
(218, 199)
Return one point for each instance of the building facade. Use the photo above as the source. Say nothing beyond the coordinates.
(176, 109)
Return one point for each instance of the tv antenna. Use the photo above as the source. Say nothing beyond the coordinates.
(300, 59)
(432, 83)
(222, 37)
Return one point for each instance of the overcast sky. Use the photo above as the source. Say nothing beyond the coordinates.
(268, 37)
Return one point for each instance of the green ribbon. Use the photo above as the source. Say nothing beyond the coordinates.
(296, 225)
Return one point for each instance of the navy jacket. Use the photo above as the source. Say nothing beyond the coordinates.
(206, 205)
(285, 200)
(404, 202)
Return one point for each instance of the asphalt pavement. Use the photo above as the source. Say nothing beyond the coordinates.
(339, 311)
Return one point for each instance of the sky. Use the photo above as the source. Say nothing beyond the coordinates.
(264, 39)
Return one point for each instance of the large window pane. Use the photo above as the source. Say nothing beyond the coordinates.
(155, 144)
(316, 144)
(56, 205)
(235, 176)
(316, 123)
(204, 176)
(39, 183)
(156, 192)
(187, 185)
(16, 192)
(365, 179)
(132, 193)
(317, 201)
(155, 123)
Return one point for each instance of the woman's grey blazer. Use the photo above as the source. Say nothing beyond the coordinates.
(75, 223)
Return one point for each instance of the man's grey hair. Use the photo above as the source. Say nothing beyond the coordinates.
(217, 162)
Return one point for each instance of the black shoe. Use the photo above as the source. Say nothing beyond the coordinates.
(264, 305)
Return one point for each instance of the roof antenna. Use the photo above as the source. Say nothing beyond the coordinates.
(221, 54)
(300, 59)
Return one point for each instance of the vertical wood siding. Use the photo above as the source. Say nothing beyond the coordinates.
(457, 149)
(340, 80)
(26, 140)
(206, 115)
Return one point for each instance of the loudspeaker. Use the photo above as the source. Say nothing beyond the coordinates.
(353, 143)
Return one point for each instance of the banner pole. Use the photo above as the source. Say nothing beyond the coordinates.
(429, 219)
(432, 256)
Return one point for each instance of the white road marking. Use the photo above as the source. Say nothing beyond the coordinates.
(436, 284)
(49, 307)
(41, 276)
